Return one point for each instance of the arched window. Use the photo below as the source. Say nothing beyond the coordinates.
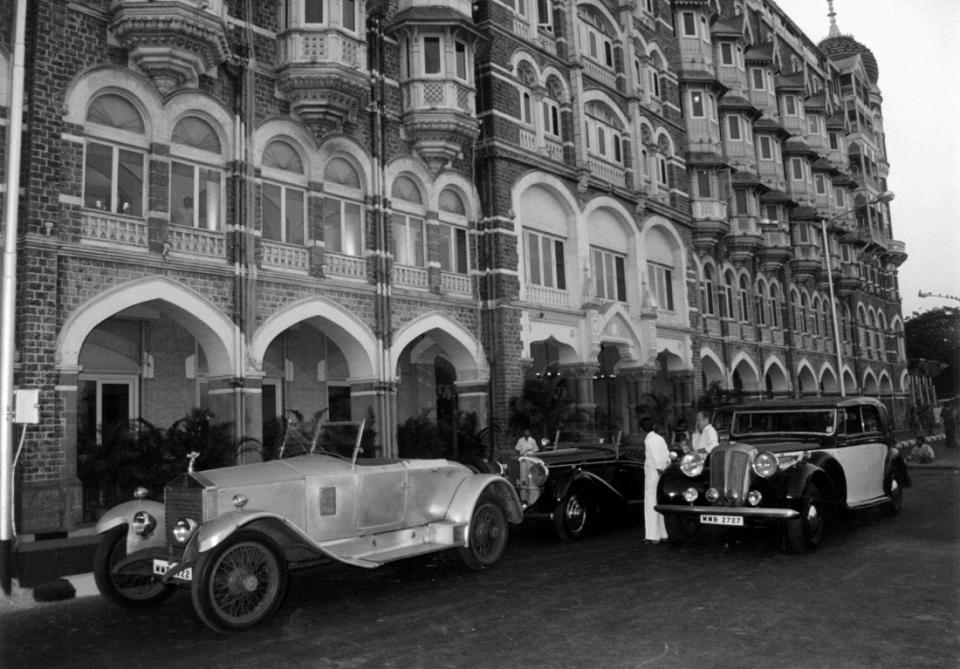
(454, 256)
(774, 305)
(552, 125)
(406, 222)
(708, 288)
(342, 211)
(596, 37)
(804, 313)
(726, 305)
(604, 133)
(816, 316)
(196, 175)
(660, 269)
(744, 301)
(526, 80)
(283, 205)
(320, 13)
(760, 302)
(114, 164)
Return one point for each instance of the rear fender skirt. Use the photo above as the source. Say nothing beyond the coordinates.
(465, 498)
(122, 514)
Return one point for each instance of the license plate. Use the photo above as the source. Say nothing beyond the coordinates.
(161, 567)
(709, 519)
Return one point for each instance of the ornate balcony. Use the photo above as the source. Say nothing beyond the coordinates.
(896, 253)
(775, 250)
(173, 41)
(744, 239)
(806, 262)
(710, 224)
(323, 73)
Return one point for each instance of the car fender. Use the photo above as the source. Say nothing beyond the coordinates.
(122, 514)
(214, 532)
(824, 471)
(465, 498)
(577, 478)
(896, 466)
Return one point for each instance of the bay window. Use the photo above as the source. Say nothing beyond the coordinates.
(113, 166)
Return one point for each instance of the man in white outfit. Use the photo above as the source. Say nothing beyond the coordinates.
(705, 436)
(656, 461)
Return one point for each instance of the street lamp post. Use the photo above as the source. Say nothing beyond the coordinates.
(886, 196)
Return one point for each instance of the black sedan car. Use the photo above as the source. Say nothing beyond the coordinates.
(789, 463)
(574, 487)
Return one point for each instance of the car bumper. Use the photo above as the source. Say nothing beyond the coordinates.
(158, 563)
(753, 513)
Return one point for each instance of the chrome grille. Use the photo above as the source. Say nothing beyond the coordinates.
(730, 474)
(181, 502)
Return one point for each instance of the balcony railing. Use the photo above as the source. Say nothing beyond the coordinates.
(457, 284)
(528, 139)
(414, 277)
(709, 209)
(99, 228)
(286, 257)
(550, 297)
(555, 150)
(598, 72)
(196, 242)
(328, 46)
(607, 172)
(433, 94)
(345, 266)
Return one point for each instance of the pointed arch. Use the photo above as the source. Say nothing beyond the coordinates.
(460, 347)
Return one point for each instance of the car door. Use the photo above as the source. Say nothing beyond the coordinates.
(862, 453)
(381, 495)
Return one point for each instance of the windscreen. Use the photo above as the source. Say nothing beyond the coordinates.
(819, 421)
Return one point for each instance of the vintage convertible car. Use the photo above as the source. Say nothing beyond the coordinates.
(232, 535)
(788, 463)
(575, 486)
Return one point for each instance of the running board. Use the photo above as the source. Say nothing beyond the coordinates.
(866, 504)
(373, 550)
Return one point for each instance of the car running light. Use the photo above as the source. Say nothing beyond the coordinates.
(143, 524)
(537, 474)
(690, 495)
(754, 497)
(766, 465)
(140, 493)
(691, 464)
(239, 501)
(712, 495)
(183, 529)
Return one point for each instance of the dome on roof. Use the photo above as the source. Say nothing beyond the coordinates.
(843, 46)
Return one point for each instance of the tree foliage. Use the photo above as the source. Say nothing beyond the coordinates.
(935, 335)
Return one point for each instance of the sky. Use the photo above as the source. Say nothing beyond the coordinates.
(917, 47)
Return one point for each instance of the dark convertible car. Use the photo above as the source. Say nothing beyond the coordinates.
(789, 463)
(575, 486)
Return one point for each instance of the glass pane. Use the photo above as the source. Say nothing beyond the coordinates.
(116, 112)
(270, 212)
(610, 277)
(282, 156)
(115, 407)
(181, 194)
(533, 267)
(399, 234)
(446, 250)
(431, 55)
(596, 266)
(209, 200)
(561, 271)
(416, 242)
(547, 255)
(349, 14)
(461, 60)
(294, 219)
(352, 239)
(462, 266)
(313, 11)
(98, 168)
(331, 215)
(621, 280)
(196, 132)
(130, 183)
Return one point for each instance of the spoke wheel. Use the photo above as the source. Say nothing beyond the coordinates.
(488, 534)
(570, 517)
(133, 591)
(240, 583)
(805, 533)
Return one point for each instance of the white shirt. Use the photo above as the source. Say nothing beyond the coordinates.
(706, 439)
(656, 451)
(526, 445)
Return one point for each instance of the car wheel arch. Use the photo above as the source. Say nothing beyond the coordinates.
(827, 473)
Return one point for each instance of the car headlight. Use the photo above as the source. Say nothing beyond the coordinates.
(143, 524)
(537, 474)
(766, 465)
(183, 530)
(691, 464)
(754, 497)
